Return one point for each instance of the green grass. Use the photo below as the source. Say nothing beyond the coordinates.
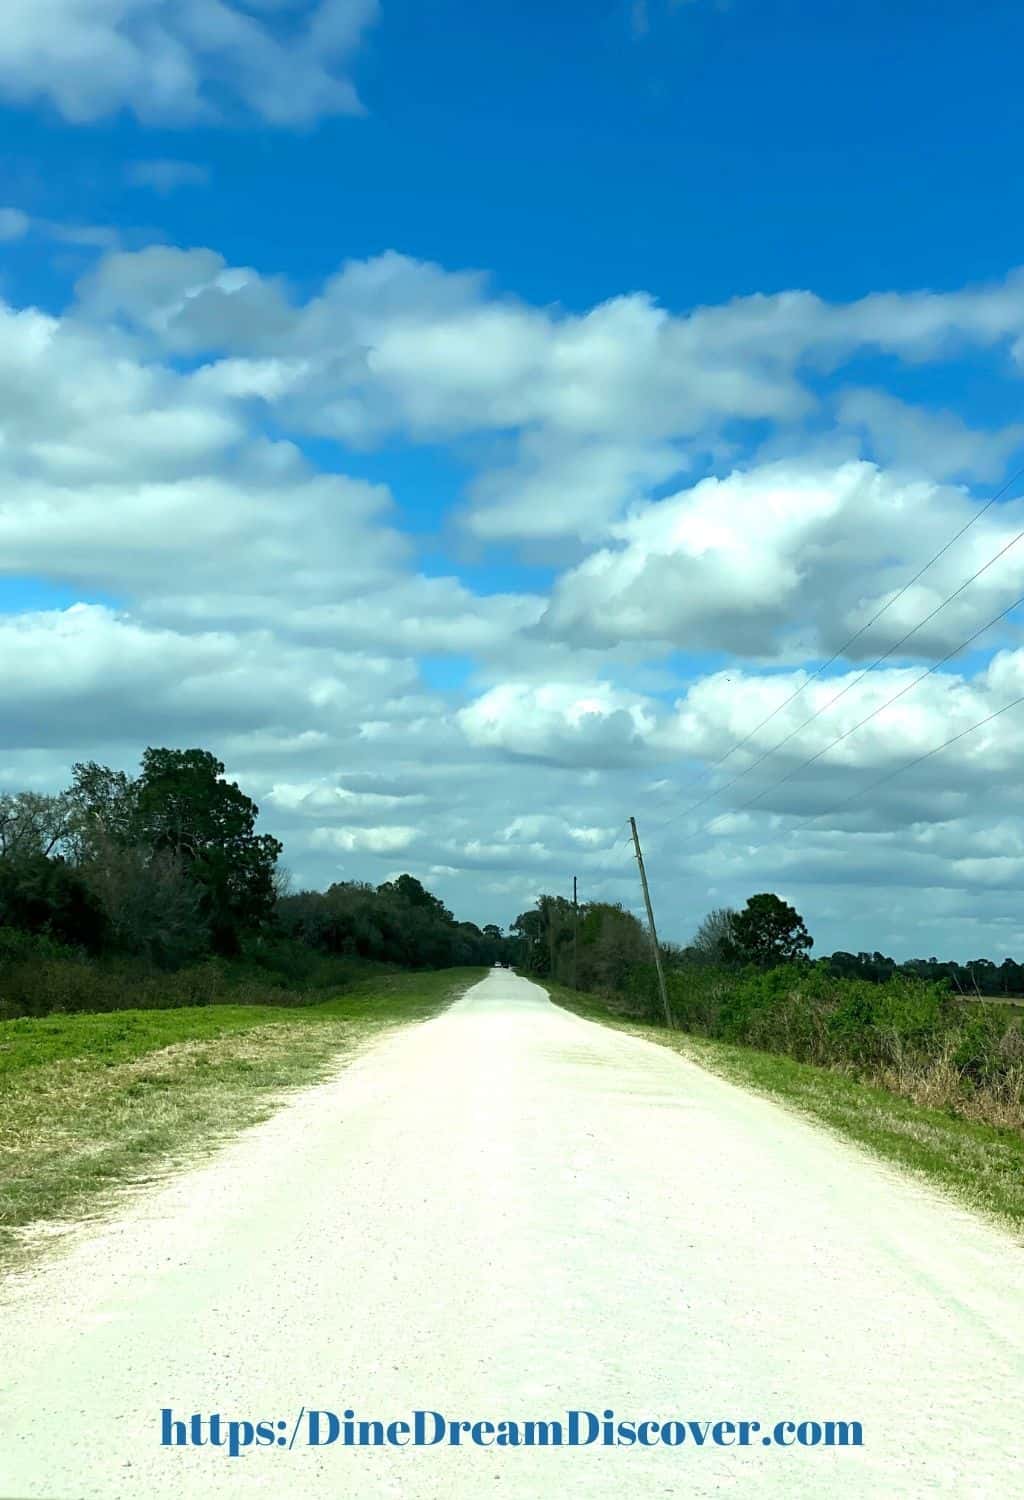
(980, 1166)
(90, 1103)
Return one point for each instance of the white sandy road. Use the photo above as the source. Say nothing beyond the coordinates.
(501, 1214)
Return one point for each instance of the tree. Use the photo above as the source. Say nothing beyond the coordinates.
(47, 896)
(104, 810)
(32, 823)
(767, 932)
(710, 944)
(408, 889)
(151, 907)
(612, 945)
(545, 935)
(186, 808)
(530, 932)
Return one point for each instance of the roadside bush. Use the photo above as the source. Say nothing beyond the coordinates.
(913, 1036)
(39, 978)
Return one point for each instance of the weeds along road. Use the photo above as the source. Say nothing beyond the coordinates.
(501, 1214)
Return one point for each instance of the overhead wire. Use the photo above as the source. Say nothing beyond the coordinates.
(841, 651)
(765, 755)
(773, 786)
(917, 760)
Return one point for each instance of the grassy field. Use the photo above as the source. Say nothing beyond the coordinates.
(980, 1166)
(90, 1103)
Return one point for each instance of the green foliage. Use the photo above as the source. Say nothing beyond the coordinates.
(19, 946)
(895, 1031)
(766, 932)
(610, 943)
(125, 891)
(104, 809)
(39, 978)
(980, 976)
(187, 810)
(43, 895)
(152, 909)
(915, 1035)
(399, 922)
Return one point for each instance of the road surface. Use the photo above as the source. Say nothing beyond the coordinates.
(503, 1214)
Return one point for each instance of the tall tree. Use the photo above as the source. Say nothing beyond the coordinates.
(104, 807)
(187, 809)
(711, 943)
(768, 931)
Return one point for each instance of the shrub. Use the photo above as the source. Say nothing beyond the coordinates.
(910, 1034)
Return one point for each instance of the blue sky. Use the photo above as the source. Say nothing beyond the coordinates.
(728, 150)
(510, 393)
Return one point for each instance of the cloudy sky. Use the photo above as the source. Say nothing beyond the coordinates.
(472, 423)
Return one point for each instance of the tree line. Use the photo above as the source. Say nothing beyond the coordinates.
(747, 977)
(765, 934)
(164, 872)
(598, 944)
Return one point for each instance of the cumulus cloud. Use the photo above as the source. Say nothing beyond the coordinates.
(183, 61)
(593, 724)
(69, 669)
(588, 411)
(721, 710)
(277, 612)
(789, 559)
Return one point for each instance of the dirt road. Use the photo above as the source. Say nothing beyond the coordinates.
(499, 1215)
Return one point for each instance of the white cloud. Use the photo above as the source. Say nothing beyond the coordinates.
(67, 670)
(277, 613)
(936, 443)
(720, 710)
(181, 61)
(586, 412)
(317, 798)
(388, 838)
(789, 559)
(566, 722)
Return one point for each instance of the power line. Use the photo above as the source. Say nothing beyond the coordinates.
(860, 724)
(862, 791)
(717, 791)
(856, 636)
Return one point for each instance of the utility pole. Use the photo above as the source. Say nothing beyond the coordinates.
(575, 925)
(654, 930)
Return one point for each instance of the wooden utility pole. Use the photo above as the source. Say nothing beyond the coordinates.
(654, 930)
(575, 925)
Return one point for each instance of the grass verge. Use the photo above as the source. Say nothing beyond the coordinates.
(89, 1103)
(980, 1166)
